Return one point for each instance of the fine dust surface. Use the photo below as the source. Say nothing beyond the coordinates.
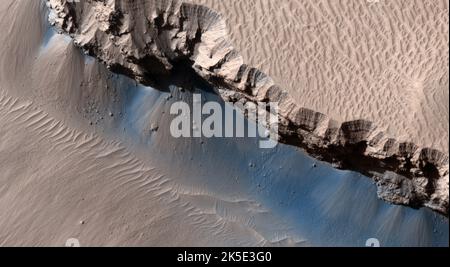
(381, 60)
(80, 157)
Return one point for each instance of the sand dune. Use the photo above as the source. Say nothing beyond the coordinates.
(98, 192)
(384, 61)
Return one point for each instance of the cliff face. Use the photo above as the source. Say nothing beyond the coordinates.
(147, 39)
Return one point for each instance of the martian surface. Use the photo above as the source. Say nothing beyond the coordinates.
(87, 150)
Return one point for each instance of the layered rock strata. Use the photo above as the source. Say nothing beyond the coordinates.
(148, 39)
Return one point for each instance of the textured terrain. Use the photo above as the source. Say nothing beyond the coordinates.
(65, 175)
(148, 43)
(86, 153)
(385, 61)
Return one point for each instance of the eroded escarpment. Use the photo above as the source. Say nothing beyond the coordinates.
(147, 39)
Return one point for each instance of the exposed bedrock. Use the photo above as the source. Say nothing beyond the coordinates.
(147, 39)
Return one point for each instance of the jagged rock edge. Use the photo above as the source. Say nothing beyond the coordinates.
(177, 32)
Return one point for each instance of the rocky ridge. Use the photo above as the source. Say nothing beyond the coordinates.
(147, 39)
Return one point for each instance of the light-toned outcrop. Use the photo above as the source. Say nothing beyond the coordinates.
(148, 39)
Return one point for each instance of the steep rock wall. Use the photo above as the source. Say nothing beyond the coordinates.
(147, 39)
